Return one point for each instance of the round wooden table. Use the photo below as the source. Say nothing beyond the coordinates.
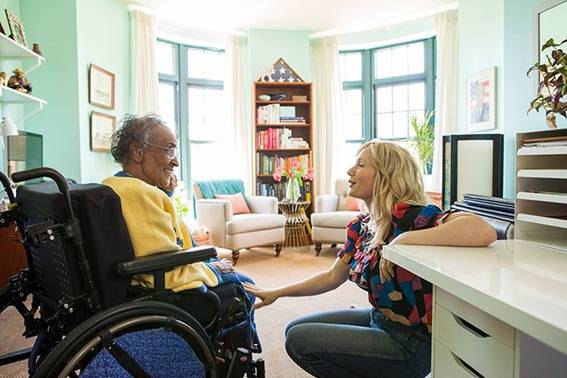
(296, 223)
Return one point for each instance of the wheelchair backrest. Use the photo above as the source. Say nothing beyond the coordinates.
(54, 259)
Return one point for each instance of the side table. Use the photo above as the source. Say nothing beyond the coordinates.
(296, 223)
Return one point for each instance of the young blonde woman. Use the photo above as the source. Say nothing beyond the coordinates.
(393, 337)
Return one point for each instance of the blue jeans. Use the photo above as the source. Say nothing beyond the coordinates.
(358, 343)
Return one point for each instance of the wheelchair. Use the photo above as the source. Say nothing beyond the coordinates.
(88, 318)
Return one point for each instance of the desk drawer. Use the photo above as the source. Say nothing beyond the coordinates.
(447, 365)
(483, 352)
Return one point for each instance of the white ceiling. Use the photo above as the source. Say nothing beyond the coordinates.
(317, 16)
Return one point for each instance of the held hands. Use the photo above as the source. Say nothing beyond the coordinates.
(267, 296)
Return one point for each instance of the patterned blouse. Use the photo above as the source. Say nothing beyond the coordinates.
(406, 298)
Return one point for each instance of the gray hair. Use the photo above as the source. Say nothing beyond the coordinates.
(135, 131)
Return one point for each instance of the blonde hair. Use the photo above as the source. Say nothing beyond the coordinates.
(398, 179)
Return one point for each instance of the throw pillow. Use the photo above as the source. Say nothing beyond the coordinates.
(239, 205)
(353, 204)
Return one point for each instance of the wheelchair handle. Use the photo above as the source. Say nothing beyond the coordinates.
(55, 176)
(7, 186)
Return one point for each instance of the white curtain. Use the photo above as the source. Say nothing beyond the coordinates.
(446, 98)
(328, 113)
(237, 95)
(145, 98)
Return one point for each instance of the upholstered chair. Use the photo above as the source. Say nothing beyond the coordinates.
(262, 226)
(330, 218)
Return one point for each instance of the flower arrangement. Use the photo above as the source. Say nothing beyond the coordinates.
(295, 175)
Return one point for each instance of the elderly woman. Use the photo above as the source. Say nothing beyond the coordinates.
(148, 152)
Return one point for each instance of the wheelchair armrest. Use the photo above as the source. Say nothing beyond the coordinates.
(166, 260)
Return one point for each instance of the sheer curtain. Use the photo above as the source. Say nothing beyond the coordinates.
(145, 98)
(446, 97)
(328, 112)
(237, 95)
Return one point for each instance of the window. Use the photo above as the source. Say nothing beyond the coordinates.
(382, 89)
(191, 83)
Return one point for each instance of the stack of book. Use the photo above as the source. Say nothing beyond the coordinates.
(292, 120)
(499, 212)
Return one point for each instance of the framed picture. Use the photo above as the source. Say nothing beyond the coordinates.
(462, 174)
(16, 28)
(101, 87)
(481, 100)
(102, 128)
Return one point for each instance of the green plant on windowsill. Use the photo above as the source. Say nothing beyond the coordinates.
(553, 86)
(423, 140)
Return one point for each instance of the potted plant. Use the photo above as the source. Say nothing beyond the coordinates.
(423, 140)
(553, 87)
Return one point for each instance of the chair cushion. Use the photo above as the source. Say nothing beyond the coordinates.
(353, 204)
(335, 219)
(239, 205)
(242, 223)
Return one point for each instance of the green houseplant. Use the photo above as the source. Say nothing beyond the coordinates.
(423, 140)
(553, 85)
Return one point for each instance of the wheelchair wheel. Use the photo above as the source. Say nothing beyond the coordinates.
(140, 339)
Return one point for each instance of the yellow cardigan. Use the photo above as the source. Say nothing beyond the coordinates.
(154, 227)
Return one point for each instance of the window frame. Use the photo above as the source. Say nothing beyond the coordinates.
(369, 83)
(182, 83)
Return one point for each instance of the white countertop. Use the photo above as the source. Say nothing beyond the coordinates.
(518, 282)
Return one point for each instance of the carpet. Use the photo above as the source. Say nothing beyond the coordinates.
(268, 271)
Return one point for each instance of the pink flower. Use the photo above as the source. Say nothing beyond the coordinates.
(277, 176)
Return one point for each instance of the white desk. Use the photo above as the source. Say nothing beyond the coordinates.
(517, 282)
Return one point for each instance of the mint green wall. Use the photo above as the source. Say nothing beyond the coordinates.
(103, 35)
(480, 47)
(266, 46)
(52, 24)
(72, 34)
(518, 88)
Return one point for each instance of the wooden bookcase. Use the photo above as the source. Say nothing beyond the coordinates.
(272, 133)
(541, 188)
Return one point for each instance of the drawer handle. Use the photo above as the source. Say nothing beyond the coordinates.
(466, 366)
(469, 327)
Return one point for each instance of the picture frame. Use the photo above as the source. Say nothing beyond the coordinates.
(481, 100)
(462, 175)
(102, 126)
(101, 87)
(17, 32)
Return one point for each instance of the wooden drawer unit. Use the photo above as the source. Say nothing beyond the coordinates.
(483, 342)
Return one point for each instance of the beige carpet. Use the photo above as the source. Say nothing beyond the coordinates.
(268, 271)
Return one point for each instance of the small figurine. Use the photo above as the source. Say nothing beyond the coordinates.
(36, 49)
(3, 79)
(19, 82)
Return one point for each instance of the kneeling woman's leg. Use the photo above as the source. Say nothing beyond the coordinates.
(345, 344)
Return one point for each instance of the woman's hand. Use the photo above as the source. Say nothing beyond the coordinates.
(224, 265)
(386, 269)
(267, 296)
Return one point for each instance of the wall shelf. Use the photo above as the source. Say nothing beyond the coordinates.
(12, 96)
(12, 50)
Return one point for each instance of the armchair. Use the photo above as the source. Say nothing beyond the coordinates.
(263, 226)
(331, 217)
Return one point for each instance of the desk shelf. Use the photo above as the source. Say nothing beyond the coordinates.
(11, 50)
(12, 96)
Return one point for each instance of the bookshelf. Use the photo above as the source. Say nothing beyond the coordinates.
(541, 188)
(283, 134)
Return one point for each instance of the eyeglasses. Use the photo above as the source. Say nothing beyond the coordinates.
(172, 152)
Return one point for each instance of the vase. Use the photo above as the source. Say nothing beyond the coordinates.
(292, 191)
(551, 121)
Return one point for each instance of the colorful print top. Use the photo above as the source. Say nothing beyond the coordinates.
(406, 298)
